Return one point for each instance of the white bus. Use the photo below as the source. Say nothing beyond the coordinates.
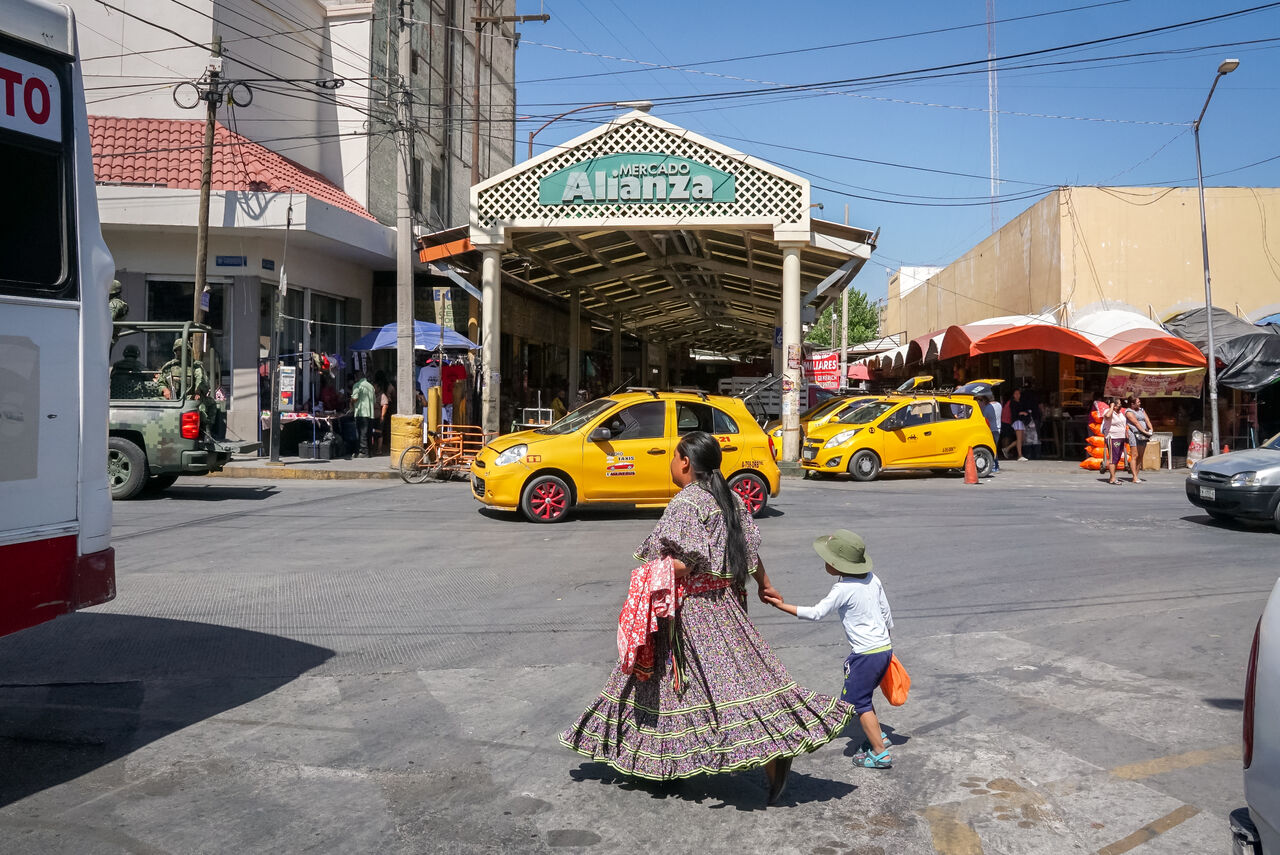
(55, 274)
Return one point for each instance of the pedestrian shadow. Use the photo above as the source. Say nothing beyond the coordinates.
(744, 790)
(123, 682)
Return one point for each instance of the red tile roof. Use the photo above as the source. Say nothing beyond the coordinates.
(168, 153)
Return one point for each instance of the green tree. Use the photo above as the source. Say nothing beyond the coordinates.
(863, 322)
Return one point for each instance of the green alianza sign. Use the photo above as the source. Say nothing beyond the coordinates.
(639, 177)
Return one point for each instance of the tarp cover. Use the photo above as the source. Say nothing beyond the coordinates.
(1249, 353)
(426, 336)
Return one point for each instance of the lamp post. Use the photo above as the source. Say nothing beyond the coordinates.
(629, 105)
(1227, 66)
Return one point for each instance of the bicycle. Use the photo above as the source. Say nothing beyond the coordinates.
(447, 452)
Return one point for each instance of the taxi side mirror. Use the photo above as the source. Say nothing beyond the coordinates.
(600, 434)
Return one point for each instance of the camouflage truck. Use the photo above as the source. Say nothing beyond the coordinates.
(164, 420)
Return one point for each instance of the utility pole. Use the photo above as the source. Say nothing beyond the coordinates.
(480, 21)
(844, 338)
(404, 223)
(212, 96)
(277, 327)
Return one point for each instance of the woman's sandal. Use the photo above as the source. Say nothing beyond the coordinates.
(869, 760)
(866, 746)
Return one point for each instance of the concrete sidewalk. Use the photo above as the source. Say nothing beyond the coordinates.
(321, 470)
(381, 467)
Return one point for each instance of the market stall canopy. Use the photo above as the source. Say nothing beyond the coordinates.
(1249, 353)
(893, 358)
(858, 371)
(1126, 337)
(1017, 332)
(426, 336)
(925, 348)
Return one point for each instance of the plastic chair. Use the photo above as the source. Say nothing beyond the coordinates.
(1165, 438)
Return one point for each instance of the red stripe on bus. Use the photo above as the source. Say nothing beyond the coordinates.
(43, 579)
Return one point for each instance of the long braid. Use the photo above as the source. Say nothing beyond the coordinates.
(703, 452)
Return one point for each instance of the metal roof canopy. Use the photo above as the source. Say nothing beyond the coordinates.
(680, 272)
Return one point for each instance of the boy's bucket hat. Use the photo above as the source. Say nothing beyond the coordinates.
(844, 551)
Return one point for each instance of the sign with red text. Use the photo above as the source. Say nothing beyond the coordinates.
(823, 369)
(30, 99)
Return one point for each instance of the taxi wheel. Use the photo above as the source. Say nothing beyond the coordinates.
(752, 490)
(864, 466)
(545, 499)
(984, 461)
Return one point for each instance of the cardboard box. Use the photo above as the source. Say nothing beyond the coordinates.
(1151, 458)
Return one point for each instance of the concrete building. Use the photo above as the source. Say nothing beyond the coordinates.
(311, 126)
(1116, 248)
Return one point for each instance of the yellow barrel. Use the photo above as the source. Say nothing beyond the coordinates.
(405, 431)
(433, 408)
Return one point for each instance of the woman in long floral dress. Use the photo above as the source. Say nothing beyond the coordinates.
(718, 700)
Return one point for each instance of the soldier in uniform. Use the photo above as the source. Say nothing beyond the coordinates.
(119, 308)
(127, 378)
(170, 375)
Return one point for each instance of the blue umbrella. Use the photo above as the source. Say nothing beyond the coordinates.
(426, 335)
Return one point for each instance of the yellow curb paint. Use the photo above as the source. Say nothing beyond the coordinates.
(1189, 760)
(950, 834)
(1150, 831)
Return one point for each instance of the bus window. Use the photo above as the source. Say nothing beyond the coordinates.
(32, 238)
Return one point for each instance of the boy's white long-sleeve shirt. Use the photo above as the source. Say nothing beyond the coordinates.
(863, 608)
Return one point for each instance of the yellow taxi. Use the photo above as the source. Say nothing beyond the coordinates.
(902, 432)
(618, 450)
(817, 415)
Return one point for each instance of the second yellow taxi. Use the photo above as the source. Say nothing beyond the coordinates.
(901, 432)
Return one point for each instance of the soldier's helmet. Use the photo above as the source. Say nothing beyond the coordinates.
(131, 352)
(115, 288)
(179, 344)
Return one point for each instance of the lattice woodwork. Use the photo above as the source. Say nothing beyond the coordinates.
(761, 196)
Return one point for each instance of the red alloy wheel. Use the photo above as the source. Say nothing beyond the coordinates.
(548, 501)
(751, 490)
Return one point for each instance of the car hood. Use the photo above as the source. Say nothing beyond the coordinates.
(822, 433)
(1248, 460)
(527, 437)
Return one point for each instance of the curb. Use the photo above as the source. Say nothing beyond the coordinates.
(270, 473)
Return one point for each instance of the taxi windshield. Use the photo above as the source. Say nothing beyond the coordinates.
(820, 410)
(578, 417)
(867, 412)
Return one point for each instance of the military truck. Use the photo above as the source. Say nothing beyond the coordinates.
(164, 420)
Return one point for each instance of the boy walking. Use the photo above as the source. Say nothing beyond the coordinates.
(859, 598)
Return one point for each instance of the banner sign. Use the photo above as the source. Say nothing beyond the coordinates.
(646, 178)
(30, 100)
(823, 369)
(1154, 382)
(443, 298)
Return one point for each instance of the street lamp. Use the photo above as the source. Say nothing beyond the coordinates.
(626, 105)
(1227, 66)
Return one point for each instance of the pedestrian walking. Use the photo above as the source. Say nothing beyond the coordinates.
(1017, 415)
(717, 699)
(1139, 430)
(1114, 430)
(859, 599)
(362, 409)
(992, 411)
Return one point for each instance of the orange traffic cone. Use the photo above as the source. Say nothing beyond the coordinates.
(1226, 449)
(970, 468)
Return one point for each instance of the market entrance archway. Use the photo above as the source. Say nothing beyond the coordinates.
(664, 234)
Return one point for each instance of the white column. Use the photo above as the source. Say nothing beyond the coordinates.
(575, 344)
(491, 343)
(792, 354)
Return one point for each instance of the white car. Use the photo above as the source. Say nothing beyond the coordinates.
(1256, 831)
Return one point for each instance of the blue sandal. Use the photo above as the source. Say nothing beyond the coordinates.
(870, 760)
(866, 746)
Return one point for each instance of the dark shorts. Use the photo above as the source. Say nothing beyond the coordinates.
(862, 675)
(1116, 447)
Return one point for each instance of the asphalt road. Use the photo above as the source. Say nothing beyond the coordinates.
(374, 667)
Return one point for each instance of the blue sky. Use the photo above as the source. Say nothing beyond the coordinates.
(1100, 115)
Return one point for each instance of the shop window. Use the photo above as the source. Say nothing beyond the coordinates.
(173, 301)
(437, 193)
(639, 421)
(415, 186)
